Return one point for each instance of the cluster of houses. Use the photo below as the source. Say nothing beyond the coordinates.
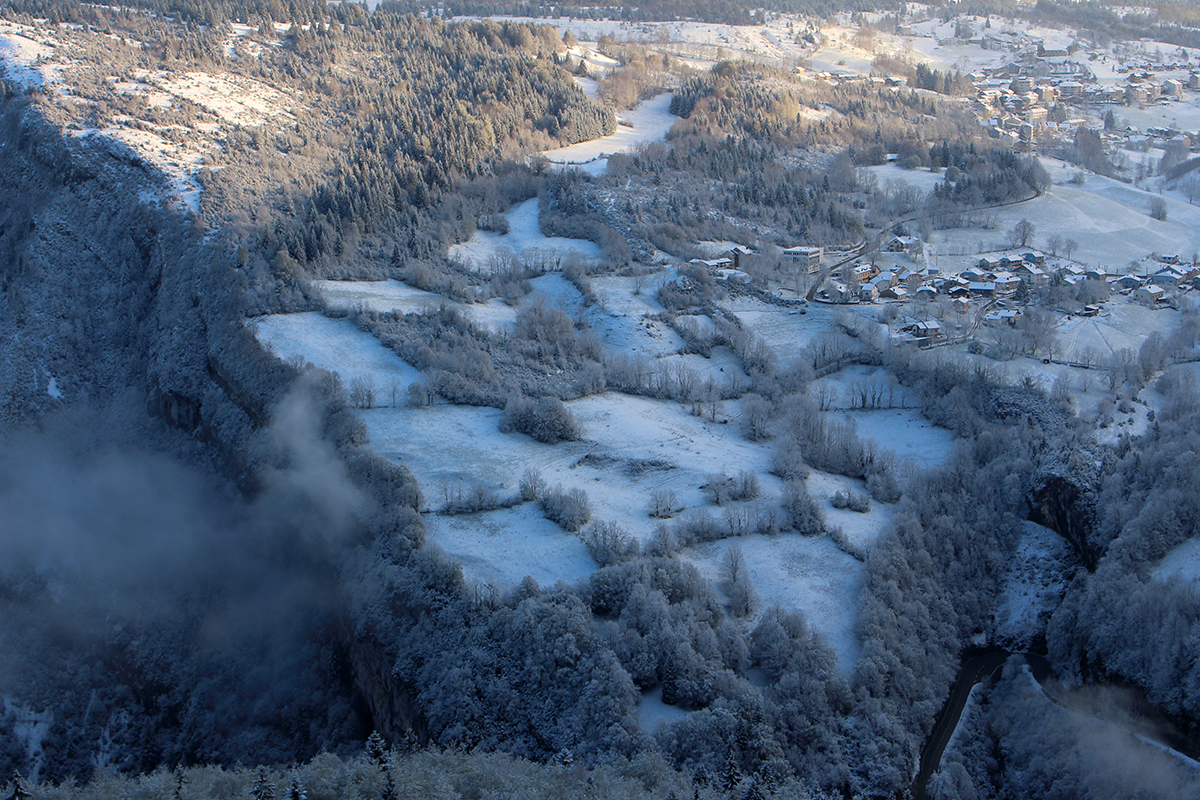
(1001, 276)
(994, 276)
(1166, 276)
(1014, 99)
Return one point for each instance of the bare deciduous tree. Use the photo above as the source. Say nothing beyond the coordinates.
(1022, 233)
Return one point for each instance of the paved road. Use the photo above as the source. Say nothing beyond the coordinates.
(973, 670)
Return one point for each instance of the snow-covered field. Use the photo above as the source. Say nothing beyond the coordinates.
(336, 345)
(620, 317)
(798, 572)
(524, 240)
(391, 295)
(631, 447)
(1182, 563)
(235, 99)
(1123, 325)
(785, 330)
(503, 547)
(1110, 221)
(898, 426)
(23, 53)
(648, 122)
(903, 431)
(862, 530)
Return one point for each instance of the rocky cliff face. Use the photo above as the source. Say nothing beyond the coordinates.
(107, 289)
(109, 295)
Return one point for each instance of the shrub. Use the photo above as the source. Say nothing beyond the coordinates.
(567, 508)
(722, 488)
(853, 501)
(546, 420)
(662, 504)
(532, 485)
(609, 544)
(802, 511)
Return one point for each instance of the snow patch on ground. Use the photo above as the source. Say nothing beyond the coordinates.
(1037, 578)
(53, 390)
(809, 574)
(653, 713)
(503, 547)
(21, 55)
(1182, 563)
(178, 163)
(30, 729)
(904, 432)
(235, 99)
(396, 296)
(336, 345)
(862, 530)
(524, 240)
(648, 122)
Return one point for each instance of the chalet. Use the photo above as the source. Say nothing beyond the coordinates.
(886, 279)
(930, 330)
(893, 293)
(868, 293)
(1090, 311)
(1194, 81)
(960, 304)
(1032, 275)
(981, 289)
(864, 272)
(1125, 283)
(924, 293)
(1008, 316)
(1064, 269)
(1169, 258)
(903, 244)
(1169, 278)
(1069, 89)
(1136, 94)
(712, 263)
(987, 264)
(1034, 257)
(1095, 274)
(804, 256)
(1150, 295)
(1172, 88)
(1006, 284)
(737, 253)
(841, 293)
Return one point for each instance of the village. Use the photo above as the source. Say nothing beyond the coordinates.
(929, 307)
(1030, 95)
